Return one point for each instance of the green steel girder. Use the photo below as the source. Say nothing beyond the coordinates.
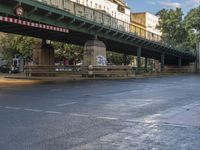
(99, 30)
(33, 11)
(114, 34)
(81, 25)
(60, 18)
(144, 42)
(136, 41)
(128, 37)
(122, 35)
(150, 44)
(90, 28)
(107, 32)
(155, 46)
(48, 14)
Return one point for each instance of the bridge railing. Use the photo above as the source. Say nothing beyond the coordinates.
(85, 71)
(101, 17)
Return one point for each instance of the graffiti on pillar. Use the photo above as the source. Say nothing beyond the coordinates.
(101, 60)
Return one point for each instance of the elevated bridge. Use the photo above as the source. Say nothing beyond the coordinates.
(65, 21)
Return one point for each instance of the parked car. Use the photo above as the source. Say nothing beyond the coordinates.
(4, 69)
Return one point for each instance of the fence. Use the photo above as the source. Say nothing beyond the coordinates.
(94, 71)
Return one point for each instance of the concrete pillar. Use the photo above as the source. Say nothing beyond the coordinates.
(146, 64)
(94, 53)
(179, 62)
(138, 58)
(125, 59)
(43, 54)
(162, 62)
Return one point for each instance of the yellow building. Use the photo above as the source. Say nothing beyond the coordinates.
(144, 24)
(137, 24)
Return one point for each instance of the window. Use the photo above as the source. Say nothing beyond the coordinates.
(87, 3)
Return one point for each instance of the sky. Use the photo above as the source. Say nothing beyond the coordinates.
(153, 6)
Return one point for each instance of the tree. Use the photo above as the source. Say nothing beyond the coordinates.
(72, 53)
(17, 44)
(192, 25)
(118, 59)
(192, 20)
(172, 26)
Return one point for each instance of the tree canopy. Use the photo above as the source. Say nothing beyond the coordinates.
(179, 31)
(17, 44)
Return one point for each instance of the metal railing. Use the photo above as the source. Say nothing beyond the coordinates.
(101, 18)
(94, 71)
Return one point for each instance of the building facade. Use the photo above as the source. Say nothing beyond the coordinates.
(144, 24)
(115, 8)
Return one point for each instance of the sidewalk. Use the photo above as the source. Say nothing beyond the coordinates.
(10, 79)
(22, 78)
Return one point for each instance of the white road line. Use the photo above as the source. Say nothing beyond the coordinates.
(132, 120)
(53, 112)
(79, 115)
(10, 107)
(159, 123)
(33, 110)
(66, 104)
(107, 118)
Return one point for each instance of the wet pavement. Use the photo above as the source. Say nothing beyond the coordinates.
(143, 114)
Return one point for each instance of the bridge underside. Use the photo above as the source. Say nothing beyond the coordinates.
(77, 38)
(82, 30)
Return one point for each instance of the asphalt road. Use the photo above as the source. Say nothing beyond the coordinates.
(143, 114)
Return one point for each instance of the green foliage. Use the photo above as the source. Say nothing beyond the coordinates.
(16, 44)
(171, 25)
(192, 20)
(179, 31)
(118, 59)
(68, 51)
(192, 25)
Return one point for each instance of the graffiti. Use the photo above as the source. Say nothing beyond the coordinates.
(101, 60)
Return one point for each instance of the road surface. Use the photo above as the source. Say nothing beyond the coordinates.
(143, 114)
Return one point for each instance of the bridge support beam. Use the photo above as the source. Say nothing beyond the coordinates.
(43, 54)
(138, 58)
(94, 53)
(43, 60)
(125, 59)
(146, 64)
(179, 62)
(162, 62)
